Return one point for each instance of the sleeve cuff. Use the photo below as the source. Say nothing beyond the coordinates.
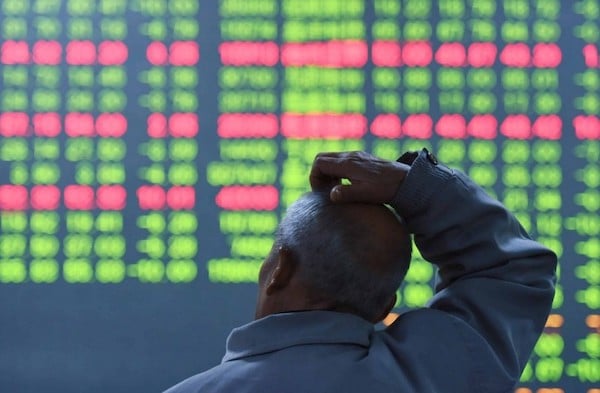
(425, 178)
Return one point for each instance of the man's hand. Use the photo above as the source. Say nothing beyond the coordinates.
(372, 179)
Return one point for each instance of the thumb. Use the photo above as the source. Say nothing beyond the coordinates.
(349, 193)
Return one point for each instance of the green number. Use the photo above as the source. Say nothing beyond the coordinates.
(546, 31)
(80, 28)
(15, 76)
(483, 30)
(181, 271)
(153, 246)
(13, 221)
(77, 246)
(482, 151)
(183, 149)
(48, 27)
(44, 222)
(13, 245)
(80, 101)
(110, 173)
(77, 271)
(386, 78)
(183, 173)
(112, 77)
(185, 29)
(417, 30)
(109, 222)
(43, 270)
(14, 28)
(111, 100)
(385, 30)
(44, 173)
(389, 8)
(12, 271)
(153, 223)
(416, 102)
(516, 176)
(78, 149)
(111, 149)
(182, 223)
(451, 151)
(110, 271)
(81, 222)
(514, 31)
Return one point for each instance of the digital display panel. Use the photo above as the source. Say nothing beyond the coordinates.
(148, 149)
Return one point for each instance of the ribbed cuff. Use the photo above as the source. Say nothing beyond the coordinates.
(425, 178)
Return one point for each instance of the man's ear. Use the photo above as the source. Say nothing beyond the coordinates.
(282, 273)
(387, 310)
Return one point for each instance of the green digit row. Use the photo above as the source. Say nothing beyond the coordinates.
(456, 30)
(450, 101)
(18, 28)
(248, 29)
(108, 246)
(48, 222)
(176, 77)
(326, 78)
(178, 246)
(258, 223)
(73, 7)
(318, 101)
(228, 173)
(249, 150)
(104, 271)
(179, 173)
(449, 78)
(250, 246)
(248, 101)
(42, 100)
(175, 149)
(180, 101)
(315, 30)
(233, 270)
(76, 149)
(177, 223)
(175, 28)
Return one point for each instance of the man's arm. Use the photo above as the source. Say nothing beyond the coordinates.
(492, 276)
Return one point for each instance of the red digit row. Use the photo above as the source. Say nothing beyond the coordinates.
(85, 52)
(177, 125)
(455, 126)
(420, 126)
(247, 125)
(50, 124)
(248, 198)
(179, 53)
(353, 53)
(327, 126)
(76, 53)
(153, 197)
(82, 197)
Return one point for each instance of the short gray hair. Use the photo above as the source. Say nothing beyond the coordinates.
(333, 250)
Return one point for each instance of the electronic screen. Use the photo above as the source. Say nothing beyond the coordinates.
(148, 149)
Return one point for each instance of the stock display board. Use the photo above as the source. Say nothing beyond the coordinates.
(149, 147)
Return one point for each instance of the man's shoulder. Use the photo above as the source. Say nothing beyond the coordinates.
(202, 382)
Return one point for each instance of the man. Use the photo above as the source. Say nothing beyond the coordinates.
(334, 268)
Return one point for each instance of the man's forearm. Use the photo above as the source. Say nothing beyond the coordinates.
(491, 274)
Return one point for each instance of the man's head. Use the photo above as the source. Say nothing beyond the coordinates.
(348, 257)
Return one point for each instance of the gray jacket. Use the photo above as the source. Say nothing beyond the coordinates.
(494, 292)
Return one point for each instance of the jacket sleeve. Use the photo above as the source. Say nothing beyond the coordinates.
(494, 283)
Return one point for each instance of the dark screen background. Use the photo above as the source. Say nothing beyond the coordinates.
(149, 147)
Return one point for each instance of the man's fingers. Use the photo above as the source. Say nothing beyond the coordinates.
(328, 169)
(350, 193)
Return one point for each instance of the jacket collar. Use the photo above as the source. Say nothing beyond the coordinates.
(279, 331)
